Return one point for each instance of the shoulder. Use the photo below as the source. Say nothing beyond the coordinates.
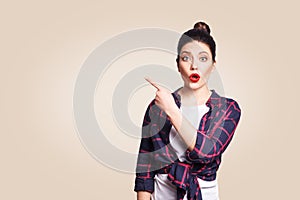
(233, 109)
(152, 108)
(232, 103)
(227, 104)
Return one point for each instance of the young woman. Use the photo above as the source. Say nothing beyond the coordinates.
(186, 132)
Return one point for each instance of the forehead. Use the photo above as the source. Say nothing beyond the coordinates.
(196, 47)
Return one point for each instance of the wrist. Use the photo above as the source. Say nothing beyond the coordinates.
(173, 111)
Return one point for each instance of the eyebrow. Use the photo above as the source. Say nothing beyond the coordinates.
(191, 53)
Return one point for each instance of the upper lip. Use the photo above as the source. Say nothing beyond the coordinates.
(194, 75)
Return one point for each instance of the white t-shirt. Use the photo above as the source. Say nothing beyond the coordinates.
(193, 114)
(163, 188)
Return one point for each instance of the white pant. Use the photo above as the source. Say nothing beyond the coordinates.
(165, 190)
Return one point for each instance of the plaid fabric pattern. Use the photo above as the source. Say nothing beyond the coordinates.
(156, 155)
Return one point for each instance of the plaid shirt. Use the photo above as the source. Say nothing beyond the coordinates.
(156, 155)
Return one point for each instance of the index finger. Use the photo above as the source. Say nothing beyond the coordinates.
(152, 83)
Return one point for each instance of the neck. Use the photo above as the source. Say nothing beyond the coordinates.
(194, 97)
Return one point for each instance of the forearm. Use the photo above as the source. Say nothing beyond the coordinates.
(143, 195)
(187, 132)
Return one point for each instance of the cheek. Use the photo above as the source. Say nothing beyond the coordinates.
(184, 73)
(205, 68)
(183, 68)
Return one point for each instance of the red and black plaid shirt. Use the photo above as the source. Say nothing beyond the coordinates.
(156, 155)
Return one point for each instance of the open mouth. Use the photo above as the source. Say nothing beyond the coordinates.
(194, 77)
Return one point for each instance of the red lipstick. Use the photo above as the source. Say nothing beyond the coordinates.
(194, 77)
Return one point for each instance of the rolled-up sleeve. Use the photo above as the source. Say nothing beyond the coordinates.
(144, 180)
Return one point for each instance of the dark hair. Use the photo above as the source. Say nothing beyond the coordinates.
(200, 33)
(202, 25)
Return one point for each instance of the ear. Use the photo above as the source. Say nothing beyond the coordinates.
(177, 61)
(214, 66)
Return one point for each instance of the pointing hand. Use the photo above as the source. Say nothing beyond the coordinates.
(163, 98)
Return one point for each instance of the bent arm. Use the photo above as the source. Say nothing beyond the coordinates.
(144, 180)
(208, 144)
(214, 141)
(183, 126)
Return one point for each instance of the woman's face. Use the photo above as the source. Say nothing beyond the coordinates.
(195, 64)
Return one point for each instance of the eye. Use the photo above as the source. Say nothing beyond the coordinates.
(203, 59)
(185, 58)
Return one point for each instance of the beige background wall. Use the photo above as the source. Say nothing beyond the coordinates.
(44, 43)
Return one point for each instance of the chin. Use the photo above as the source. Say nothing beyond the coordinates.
(194, 86)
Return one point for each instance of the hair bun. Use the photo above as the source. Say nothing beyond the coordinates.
(202, 26)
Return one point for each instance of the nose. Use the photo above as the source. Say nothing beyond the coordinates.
(193, 66)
